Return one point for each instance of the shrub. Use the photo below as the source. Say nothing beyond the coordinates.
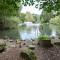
(43, 37)
(2, 47)
(28, 55)
(44, 41)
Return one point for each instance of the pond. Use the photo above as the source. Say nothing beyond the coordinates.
(29, 31)
(11, 33)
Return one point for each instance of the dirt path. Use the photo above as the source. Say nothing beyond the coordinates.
(11, 54)
(48, 54)
(52, 53)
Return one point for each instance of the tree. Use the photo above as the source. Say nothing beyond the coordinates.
(35, 17)
(45, 17)
(11, 22)
(55, 21)
(8, 8)
(22, 17)
(29, 17)
(47, 5)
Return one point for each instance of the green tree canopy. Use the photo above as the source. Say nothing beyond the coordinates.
(8, 8)
(45, 17)
(29, 17)
(55, 21)
(47, 5)
(22, 17)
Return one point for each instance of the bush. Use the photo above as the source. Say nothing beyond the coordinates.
(2, 47)
(43, 37)
(28, 55)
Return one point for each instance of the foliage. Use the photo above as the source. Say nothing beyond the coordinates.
(28, 55)
(55, 20)
(22, 17)
(9, 22)
(45, 17)
(29, 17)
(35, 18)
(9, 8)
(2, 47)
(55, 23)
(43, 37)
(47, 5)
(26, 17)
(50, 8)
(12, 22)
(50, 5)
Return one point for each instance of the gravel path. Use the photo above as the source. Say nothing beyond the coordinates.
(52, 53)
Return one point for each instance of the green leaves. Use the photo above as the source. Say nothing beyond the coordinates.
(45, 17)
(47, 5)
(29, 17)
(9, 8)
(43, 37)
(55, 20)
(28, 2)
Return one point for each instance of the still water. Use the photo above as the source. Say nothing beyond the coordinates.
(29, 31)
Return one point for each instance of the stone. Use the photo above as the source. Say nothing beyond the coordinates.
(13, 46)
(32, 47)
(10, 40)
(18, 42)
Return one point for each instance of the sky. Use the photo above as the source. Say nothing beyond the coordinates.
(31, 9)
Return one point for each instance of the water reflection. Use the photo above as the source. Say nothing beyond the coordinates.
(55, 30)
(45, 29)
(32, 30)
(29, 32)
